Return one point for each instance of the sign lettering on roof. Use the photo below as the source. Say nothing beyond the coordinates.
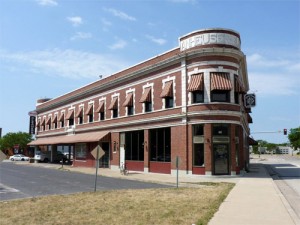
(208, 39)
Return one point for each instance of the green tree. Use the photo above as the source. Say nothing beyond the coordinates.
(294, 137)
(10, 139)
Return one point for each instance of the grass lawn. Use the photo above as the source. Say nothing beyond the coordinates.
(149, 206)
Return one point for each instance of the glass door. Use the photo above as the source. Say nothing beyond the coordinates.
(104, 161)
(221, 159)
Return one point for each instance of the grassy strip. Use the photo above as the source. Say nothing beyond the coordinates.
(148, 206)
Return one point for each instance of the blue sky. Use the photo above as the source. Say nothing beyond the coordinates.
(51, 47)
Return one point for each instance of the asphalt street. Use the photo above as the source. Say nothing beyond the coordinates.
(285, 171)
(21, 181)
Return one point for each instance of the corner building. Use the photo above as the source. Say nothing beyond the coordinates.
(185, 105)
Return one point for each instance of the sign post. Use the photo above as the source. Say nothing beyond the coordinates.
(97, 153)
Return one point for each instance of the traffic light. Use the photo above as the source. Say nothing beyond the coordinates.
(285, 131)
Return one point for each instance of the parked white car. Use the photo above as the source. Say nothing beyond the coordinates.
(19, 157)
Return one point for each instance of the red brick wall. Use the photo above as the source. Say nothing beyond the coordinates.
(179, 147)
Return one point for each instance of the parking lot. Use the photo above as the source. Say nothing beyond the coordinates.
(19, 180)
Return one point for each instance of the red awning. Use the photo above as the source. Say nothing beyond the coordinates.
(129, 100)
(43, 122)
(48, 121)
(220, 81)
(68, 139)
(61, 117)
(89, 110)
(146, 97)
(238, 86)
(113, 104)
(79, 113)
(55, 119)
(70, 114)
(196, 83)
(100, 107)
(167, 90)
(38, 123)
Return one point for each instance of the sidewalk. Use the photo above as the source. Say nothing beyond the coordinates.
(255, 199)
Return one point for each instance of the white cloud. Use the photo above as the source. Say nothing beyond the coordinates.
(81, 35)
(159, 41)
(66, 63)
(118, 45)
(257, 60)
(105, 22)
(76, 20)
(271, 76)
(47, 2)
(120, 14)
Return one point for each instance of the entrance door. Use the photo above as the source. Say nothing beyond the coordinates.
(221, 159)
(104, 161)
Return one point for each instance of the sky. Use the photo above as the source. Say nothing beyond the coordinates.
(51, 47)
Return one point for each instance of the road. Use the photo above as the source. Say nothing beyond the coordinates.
(21, 181)
(285, 170)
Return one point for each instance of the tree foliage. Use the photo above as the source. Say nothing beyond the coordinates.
(10, 139)
(294, 137)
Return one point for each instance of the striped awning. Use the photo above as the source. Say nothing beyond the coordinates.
(48, 121)
(79, 113)
(113, 104)
(128, 100)
(55, 119)
(238, 86)
(69, 139)
(146, 97)
(43, 122)
(61, 117)
(70, 114)
(89, 110)
(196, 83)
(100, 107)
(167, 90)
(38, 123)
(220, 81)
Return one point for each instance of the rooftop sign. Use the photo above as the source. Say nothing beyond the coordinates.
(209, 38)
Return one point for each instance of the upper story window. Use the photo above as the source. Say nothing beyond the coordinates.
(238, 89)
(79, 115)
(55, 121)
(48, 123)
(114, 107)
(220, 87)
(38, 125)
(43, 124)
(167, 94)
(196, 88)
(100, 110)
(70, 117)
(129, 103)
(89, 112)
(61, 119)
(146, 99)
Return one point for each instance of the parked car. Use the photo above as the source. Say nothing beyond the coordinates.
(19, 157)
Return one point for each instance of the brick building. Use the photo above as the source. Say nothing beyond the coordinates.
(186, 103)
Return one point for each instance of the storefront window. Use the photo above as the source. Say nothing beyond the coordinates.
(160, 144)
(134, 148)
(198, 145)
(80, 151)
